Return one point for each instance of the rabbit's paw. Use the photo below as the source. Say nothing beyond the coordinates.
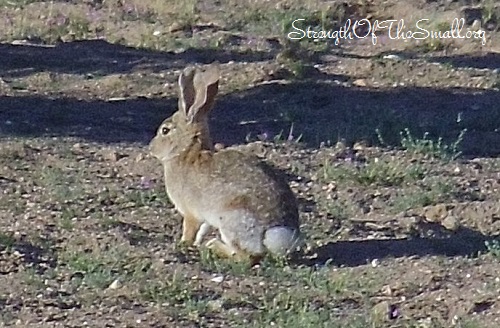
(217, 246)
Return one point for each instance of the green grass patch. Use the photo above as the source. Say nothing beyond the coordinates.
(340, 210)
(309, 297)
(430, 193)
(431, 148)
(7, 241)
(149, 197)
(62, 185)
(379, 172)
(493, 247)
(98, 269)
(426, 146)
(179, 297)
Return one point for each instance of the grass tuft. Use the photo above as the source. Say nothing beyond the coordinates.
(378, 172)
(431, 148)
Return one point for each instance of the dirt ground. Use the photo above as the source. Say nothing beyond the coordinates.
(391, 148)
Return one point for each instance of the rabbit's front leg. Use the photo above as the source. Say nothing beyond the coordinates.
(190, 228)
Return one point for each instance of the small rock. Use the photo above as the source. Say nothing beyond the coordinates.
(139, 157)
(387, 290)
(77, 147)
(392, 57)
(435, 213)
(409, 222)
(360, 145)
(359, 83)
(476, 25)
(282, 5)
(218, 146)
(451, 222)
(18, 254)
(175, 27)
(340, 146)
(111, 155)
(217, 279)
(112, 99)
(116, 284)
(384, 311)
(256, 148)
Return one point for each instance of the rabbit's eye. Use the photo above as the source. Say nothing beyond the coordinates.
(165, 130)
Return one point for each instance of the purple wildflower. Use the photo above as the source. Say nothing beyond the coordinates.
(145, 183)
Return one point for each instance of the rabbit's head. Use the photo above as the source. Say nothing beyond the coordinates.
(188, 126)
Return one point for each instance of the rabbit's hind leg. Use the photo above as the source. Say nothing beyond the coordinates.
(221, 248)
(202, 231)
(226, 247)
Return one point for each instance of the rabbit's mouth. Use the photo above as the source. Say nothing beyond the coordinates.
(162, 155)
(156, 150)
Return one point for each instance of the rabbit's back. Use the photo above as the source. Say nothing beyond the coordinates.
(229, 179)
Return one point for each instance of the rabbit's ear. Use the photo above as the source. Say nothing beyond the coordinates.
(206, 86)
(187, 92)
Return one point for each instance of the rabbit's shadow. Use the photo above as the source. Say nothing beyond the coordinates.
(351, 253)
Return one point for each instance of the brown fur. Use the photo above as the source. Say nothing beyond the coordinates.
(202, 182)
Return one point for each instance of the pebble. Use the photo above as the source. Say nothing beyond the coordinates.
(217, 279)
(116, 284)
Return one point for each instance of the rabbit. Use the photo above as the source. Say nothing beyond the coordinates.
(246, 200)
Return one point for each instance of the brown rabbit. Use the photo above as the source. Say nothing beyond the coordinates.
(246, 200)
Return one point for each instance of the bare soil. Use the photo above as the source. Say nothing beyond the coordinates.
(401, 230)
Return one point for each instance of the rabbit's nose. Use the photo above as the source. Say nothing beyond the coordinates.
(151, 146)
